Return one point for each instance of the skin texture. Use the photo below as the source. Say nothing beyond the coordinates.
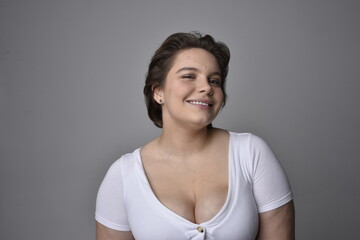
(187, 166)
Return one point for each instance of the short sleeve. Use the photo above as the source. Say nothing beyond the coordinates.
(110, 207)
(271, 186)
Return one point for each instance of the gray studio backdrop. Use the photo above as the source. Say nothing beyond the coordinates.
(71, 101)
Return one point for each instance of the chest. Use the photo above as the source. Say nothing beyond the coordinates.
(155, 216)
(195, 189)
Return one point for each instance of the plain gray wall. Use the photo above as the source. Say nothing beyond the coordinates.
(71, 101)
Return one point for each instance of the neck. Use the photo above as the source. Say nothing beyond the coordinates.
(184, 142)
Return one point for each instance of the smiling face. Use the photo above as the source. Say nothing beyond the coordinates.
(192, 94)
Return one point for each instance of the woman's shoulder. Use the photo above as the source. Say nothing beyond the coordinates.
(125, 160)
(233, 135)
(236, 137)
(245, 135)
(230, 132)
(248, 139)
(220, 133)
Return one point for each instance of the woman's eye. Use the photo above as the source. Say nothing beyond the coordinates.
(215, 82)
(188, 76)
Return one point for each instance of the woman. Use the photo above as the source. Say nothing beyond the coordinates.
(194, 181)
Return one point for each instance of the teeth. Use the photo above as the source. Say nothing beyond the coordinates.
(200, 103)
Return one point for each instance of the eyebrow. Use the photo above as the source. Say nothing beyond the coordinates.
(188, 69)
(195, 70)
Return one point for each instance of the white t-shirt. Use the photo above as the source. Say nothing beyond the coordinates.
(257, 183)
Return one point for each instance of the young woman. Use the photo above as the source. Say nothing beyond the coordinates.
(194, 181)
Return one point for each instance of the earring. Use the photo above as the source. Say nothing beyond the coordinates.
(161, 101)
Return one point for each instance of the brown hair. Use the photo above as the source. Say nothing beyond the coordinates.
(163, 58)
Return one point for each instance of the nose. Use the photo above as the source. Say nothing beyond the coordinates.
(205, 87)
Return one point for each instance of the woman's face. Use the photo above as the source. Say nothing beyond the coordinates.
(192, 94)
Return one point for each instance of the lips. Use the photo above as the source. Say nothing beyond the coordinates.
(205, 103)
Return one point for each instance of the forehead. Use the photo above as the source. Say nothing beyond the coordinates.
(195, 57)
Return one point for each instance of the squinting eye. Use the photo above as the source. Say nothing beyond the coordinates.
(215, 82)
(188, 76)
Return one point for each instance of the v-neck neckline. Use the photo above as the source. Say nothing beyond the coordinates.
(166, 212)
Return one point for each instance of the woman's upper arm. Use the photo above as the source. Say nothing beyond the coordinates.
(277, 224)
(111, 213)
(105, 233)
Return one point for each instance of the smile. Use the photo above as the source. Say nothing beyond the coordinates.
(206, 104)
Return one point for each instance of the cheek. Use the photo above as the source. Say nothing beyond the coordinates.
(220, 95)
(179, 89)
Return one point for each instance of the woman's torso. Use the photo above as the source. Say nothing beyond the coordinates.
(194, 186)
(150, 219)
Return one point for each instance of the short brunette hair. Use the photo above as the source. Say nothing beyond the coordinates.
(162, 61)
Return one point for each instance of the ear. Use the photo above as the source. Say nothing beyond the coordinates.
(158, 94)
